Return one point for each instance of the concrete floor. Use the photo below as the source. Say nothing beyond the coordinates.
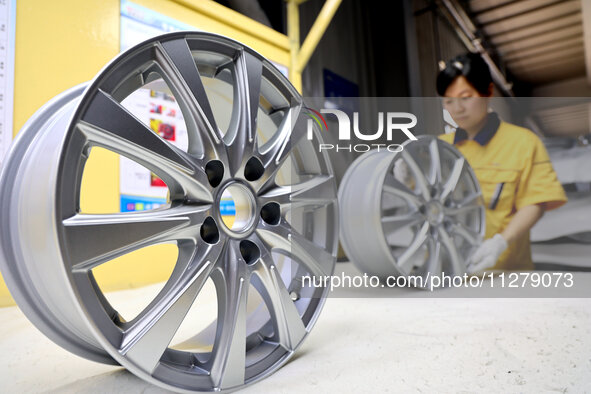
(397, 344)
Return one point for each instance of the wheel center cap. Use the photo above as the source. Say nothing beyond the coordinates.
(434, 212)
(237, 208)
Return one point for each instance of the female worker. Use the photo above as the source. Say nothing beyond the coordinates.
(516, 177)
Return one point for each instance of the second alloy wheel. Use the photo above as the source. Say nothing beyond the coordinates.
(421, 211)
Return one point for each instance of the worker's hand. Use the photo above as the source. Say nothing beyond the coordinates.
(487, 254)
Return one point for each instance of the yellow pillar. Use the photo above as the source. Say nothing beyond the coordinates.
(301, 55)
(293, 34)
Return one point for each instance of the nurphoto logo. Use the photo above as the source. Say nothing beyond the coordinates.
(394, 122)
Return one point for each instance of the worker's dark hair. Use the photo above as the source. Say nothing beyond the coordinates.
(471, 66)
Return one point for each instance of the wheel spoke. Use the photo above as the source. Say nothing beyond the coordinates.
(180, 71)
(96, 239)
(228, 361)
(419, 177)
(470, 203)
(419, 240)
(393, 223)
(284, 238)
(396, 188)
(454, 178)
(461, 209)
(274, 153)
(434, 261)
(317, 191)
(467, 233)
(151, 332)
(448, 243)
(435, 176)
(106, 116)
(241, 140)
(289, 327)
(107, 124)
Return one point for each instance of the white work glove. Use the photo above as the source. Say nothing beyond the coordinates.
(487, 254)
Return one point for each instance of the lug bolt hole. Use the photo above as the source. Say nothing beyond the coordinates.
(434, 191)
(254, 169)
(215, 172)
(249, 251)
(271, 213)
(209, 231)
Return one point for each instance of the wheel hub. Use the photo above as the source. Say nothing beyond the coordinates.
(434, 212)
(245, 205)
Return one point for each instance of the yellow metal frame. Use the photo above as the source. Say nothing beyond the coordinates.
(301, 55)
(81, 37)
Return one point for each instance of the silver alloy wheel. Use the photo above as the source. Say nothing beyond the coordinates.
(422, 210)
(49, 247)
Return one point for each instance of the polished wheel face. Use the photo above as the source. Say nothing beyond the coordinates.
(422, 211)
(285, 227)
